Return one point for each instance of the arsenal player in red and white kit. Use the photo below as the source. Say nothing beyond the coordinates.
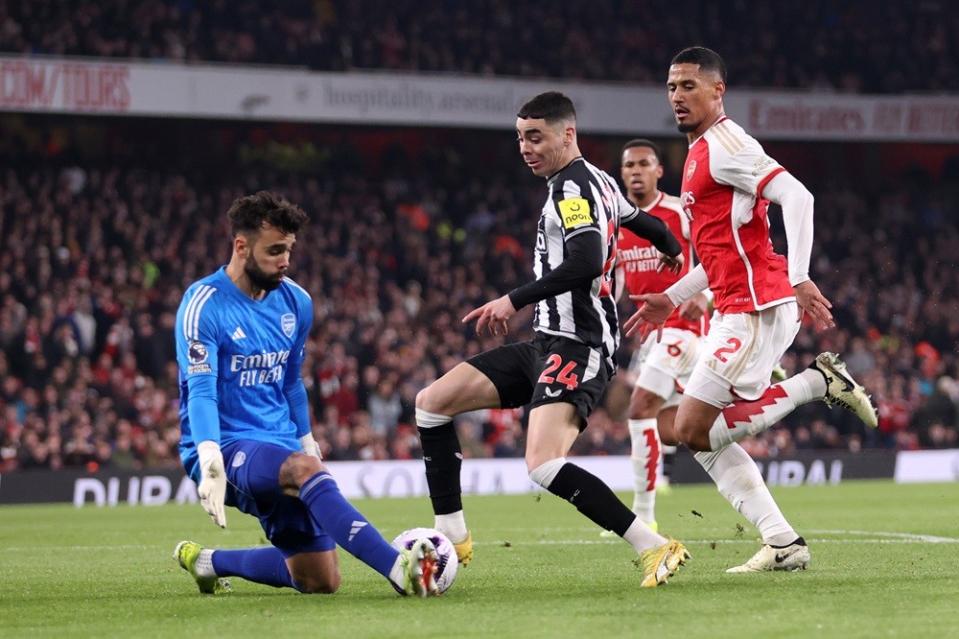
(660, 369)
(728, 182)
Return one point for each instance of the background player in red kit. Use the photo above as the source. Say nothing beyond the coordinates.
(661, 368)
(728, 182)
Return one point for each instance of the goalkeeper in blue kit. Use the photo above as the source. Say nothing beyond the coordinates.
(246, 438)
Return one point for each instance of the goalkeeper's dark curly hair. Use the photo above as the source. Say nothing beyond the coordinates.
(248, 214)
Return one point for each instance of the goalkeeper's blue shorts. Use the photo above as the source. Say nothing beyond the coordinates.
(253, 473)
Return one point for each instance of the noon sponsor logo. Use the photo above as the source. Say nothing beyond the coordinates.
(575, 212)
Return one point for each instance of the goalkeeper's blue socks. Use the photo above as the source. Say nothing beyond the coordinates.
(344, 523)
(264, 565)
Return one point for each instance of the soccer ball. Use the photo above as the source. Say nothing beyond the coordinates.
(447, 565)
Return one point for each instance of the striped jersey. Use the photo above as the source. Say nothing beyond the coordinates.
(244, 352)
(581, 199)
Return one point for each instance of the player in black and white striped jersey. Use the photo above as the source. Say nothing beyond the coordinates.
(562, 372)
(582, 199)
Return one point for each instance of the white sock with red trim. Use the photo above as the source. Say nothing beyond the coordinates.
(744, 418)
(645, 457)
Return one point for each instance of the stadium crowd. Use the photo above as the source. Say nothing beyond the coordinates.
(94, 262)
(804, 45)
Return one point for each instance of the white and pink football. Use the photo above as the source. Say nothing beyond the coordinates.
(448, 564)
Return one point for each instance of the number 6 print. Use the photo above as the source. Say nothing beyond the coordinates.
(734, 345)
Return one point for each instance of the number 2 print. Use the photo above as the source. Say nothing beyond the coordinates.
(734, 345)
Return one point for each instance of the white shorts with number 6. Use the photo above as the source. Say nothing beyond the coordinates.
(665, 366)
(740, 352)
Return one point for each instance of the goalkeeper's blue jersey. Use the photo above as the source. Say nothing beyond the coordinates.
(239, 364)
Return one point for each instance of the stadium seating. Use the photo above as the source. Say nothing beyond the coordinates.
(852, 47)
(94, 260)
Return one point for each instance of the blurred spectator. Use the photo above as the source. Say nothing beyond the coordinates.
(854, 46)
(94, 262)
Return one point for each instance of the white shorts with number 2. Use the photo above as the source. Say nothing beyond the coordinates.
(738, 355)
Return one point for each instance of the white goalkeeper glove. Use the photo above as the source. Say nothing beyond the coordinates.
(310, 447)
(212, 488)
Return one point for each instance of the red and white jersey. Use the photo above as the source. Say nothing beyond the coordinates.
(639, 259)
(723, 180)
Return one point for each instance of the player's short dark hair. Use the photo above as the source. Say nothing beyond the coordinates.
(248, 214)
(551, 106)
(646, 144)
(707, 59)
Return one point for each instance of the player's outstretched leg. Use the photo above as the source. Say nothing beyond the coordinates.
(826, 379)
(738, 479)
(443, 458)
(263, 565)
(552, 430)
(464, 388)
(352, 531)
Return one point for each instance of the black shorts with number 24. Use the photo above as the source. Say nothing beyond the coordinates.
(546, 370)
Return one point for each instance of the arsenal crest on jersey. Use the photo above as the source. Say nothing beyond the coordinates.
(690, 170)
(288, 324)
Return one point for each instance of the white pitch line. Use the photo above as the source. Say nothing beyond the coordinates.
(906, 537)
(932, 539)
(599, 542)
(879, 537)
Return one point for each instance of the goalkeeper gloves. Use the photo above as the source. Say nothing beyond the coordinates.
(212, 488)
(310, 447)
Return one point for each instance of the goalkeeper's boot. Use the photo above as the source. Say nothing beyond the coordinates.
(187, 553)
(464, 549)
(609, 534)
(793, 557)
(662, 562)
(842, 389)
(420, 563)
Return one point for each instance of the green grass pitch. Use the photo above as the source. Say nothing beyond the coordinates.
(885, 558)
